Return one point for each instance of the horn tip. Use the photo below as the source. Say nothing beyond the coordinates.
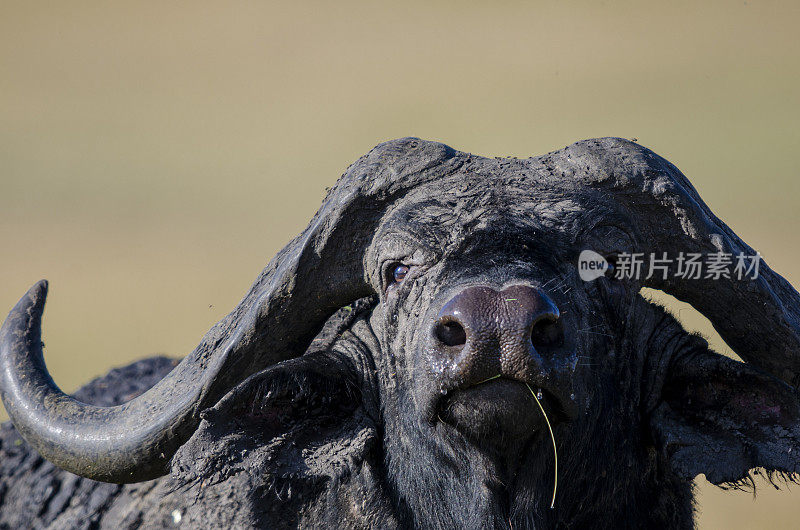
(40, 287)
(31, 305)
(37, 294)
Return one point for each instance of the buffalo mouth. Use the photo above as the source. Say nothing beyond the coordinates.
(501, 408)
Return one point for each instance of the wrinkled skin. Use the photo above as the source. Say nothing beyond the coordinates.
(494, 433)
(374, 427)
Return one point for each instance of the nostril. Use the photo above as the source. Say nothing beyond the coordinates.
(547, 331)
(451, 333)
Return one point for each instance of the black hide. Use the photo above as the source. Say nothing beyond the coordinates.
(388, 420)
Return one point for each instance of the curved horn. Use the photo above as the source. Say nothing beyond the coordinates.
(315, 274)
(759, 319)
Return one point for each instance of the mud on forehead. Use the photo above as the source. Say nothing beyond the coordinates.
(529, 210)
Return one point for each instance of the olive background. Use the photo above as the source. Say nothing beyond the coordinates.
(155, 155)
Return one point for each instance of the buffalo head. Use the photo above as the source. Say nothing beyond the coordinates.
(475, 337)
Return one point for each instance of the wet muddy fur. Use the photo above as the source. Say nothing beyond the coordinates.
(393, 365)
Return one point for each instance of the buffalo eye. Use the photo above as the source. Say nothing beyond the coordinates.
(398, 272)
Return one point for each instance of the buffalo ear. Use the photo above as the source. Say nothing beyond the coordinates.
(723, 418)
(276, 445)
(290, 415)
(317, 386)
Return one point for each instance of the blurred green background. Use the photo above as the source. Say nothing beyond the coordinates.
(154, 156)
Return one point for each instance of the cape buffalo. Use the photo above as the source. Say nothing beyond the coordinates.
(401, 363)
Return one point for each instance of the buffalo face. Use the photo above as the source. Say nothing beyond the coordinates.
(489, 309)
